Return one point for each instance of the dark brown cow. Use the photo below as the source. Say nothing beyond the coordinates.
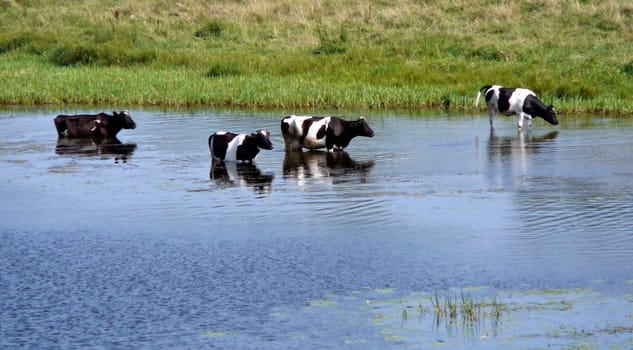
(100, 125)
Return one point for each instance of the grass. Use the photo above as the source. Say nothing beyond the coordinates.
(465, 307)
(576, 54)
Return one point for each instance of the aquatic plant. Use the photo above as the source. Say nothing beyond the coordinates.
(470, 310)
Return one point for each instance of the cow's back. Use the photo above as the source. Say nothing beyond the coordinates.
(80, 125)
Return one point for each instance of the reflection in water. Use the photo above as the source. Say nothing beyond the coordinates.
(192, 269)
(324, 167)
(230, 174)
(93, 147)
(508, 145)
(512, 151)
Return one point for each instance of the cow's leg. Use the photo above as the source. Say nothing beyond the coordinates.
(520, 121)
(287, 142)
(291, 143)
(492, 113)
(293, 146)
(529, 119)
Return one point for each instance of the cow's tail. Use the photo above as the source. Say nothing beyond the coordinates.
(211, 144)
(483, 89)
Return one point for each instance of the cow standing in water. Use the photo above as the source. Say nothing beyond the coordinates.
(510, 101)
(332, 133)
(231, 146)
(100, 125)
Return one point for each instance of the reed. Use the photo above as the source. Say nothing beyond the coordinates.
(291, 54)
(471, 311)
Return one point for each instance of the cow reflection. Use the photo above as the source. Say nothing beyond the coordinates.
(230, 174)
(95, 147)
(324, 167)
(511, 153)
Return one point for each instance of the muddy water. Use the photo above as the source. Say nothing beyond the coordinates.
(144, 244)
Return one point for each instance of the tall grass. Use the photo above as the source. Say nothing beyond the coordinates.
(576, 54)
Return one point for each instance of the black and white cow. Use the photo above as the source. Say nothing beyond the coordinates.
(230, 146)
(510, 101)
(100, 125)
(332, 133)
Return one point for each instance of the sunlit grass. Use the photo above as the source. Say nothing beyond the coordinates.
(577, 55)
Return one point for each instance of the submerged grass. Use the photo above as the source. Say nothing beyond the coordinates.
(575, 54)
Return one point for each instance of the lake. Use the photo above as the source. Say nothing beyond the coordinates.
(146, 245)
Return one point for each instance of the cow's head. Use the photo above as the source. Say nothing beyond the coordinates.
(550, 115)
(363, 128)
(125, 119)
(263, 139)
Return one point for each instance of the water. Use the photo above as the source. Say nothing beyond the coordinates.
(144, 245)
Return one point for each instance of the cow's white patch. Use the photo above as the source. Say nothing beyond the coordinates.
(231, 151)
(516, 101)
(312, 141)
(295, 131)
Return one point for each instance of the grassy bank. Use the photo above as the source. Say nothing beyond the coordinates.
(575, 54)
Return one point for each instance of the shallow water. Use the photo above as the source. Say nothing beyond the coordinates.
(144, 244)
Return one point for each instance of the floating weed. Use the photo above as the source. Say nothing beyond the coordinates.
(216, 334)
(575, 318)
(321, 303)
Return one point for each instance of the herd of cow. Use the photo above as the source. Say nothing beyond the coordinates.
(299, 132)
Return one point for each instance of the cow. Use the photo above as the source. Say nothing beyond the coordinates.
(229, 146)
(332, 133)
(510, 101)
(100, 125)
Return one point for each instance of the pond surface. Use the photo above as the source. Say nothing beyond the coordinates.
(145, 245)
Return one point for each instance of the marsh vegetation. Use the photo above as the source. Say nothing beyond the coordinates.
(576, 54)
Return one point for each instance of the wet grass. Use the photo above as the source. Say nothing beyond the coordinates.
(327, 54)
(577, 318)
(476, 318)
(465, 308)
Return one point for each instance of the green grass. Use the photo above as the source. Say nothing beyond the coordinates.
(465, 307)
(576, 54)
